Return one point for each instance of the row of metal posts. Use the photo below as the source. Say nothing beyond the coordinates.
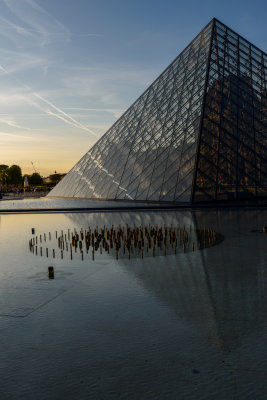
(128, 239)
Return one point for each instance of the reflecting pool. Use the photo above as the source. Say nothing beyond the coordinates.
(190, 325)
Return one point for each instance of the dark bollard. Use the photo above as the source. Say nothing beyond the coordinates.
(33, 231)
(53, 253)
(46, 252)
(51, 272)
(41, 251)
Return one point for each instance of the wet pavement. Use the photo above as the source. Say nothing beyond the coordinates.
(190, 325)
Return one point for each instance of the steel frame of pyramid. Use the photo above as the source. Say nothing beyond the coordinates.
(197, 134)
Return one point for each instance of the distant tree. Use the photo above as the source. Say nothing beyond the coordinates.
(14, 175)
(35, 179)
(3, 174)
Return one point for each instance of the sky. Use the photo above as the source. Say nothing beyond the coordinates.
(70, 68)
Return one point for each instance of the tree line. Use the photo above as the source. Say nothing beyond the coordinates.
(12, 176)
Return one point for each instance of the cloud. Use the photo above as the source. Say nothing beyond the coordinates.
(32, 25)
(68, 119)
(8, 98)
(50, 110)
(9, 29)
(10, 122)
(115, 112)
(37, 21)
(105, 87)
(17, 61)
(7, 137)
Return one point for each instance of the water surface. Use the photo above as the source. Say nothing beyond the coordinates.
(185, 326)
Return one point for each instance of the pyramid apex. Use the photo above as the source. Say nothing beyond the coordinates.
(186, 138)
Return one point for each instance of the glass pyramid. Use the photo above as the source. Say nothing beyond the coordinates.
(198, 133)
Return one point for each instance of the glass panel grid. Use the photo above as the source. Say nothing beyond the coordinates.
(170, 144)
(232, 149)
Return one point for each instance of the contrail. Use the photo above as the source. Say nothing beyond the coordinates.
(74, 121)
(68, 119)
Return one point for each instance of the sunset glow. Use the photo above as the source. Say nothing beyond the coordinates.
(69, 69)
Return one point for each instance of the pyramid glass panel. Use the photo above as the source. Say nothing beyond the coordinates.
(131, 160)
(232, 146)
(198, 133)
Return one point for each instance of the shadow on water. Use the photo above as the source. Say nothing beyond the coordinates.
(218, 290)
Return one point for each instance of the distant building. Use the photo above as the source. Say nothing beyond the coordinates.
(53, 179)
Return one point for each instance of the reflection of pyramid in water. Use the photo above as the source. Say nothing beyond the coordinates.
(198, 133)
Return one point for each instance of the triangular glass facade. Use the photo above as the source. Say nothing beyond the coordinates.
(198, 133)
(232, 156)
